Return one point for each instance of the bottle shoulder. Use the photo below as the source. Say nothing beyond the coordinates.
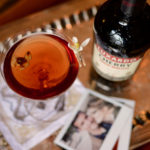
(127, 36)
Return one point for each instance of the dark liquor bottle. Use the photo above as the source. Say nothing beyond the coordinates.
(122, 35)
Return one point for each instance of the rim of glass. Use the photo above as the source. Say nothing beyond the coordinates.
(11, 41)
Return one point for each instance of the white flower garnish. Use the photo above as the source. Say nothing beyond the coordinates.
(77, 48)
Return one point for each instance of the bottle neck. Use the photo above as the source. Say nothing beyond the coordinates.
(132, 7)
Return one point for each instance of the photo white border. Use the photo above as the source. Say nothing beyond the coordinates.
(125, 136)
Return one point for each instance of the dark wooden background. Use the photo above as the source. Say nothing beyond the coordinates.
(11, 10)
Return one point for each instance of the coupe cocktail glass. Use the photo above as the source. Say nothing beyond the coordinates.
(39, 66)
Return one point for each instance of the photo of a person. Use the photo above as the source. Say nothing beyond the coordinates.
(96, 123)
(91, 124)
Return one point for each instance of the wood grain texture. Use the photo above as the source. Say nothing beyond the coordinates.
(15, 9)
(140, 136)
(46, 16)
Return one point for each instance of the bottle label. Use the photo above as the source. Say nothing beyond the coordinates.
(111, 67)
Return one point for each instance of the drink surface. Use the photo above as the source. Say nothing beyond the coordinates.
(40, 66)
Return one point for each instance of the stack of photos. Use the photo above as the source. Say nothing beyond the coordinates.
(98, 122)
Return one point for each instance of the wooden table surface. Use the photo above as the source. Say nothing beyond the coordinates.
(139, 88)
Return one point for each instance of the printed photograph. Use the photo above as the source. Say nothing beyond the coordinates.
(90, 124)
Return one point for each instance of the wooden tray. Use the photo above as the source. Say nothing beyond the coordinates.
(74, 18)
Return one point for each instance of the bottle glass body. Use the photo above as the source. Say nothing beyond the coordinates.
(120, 42)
